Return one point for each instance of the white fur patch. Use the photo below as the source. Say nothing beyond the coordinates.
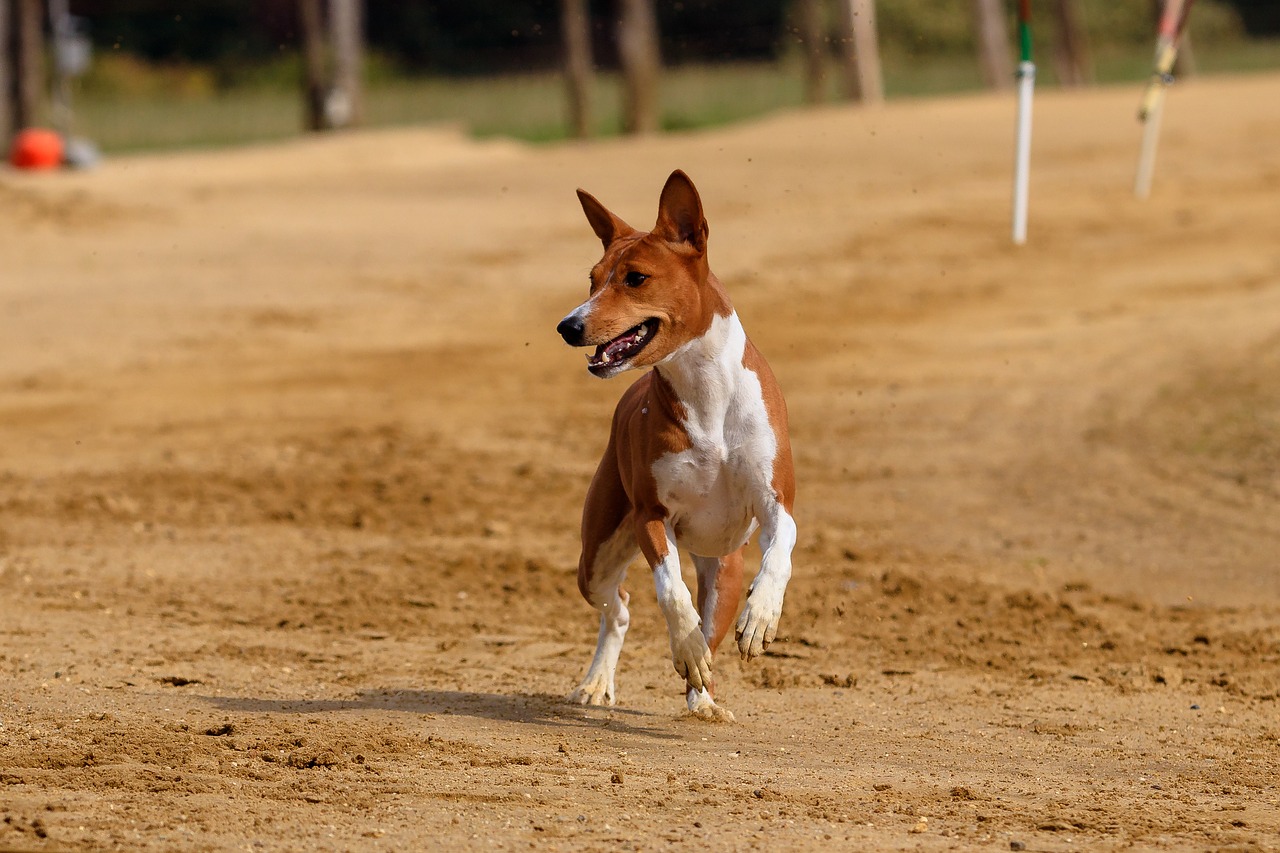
(716, 490)
(702, 706)
(758, 625)
(690, 654)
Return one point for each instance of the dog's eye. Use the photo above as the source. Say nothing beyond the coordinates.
(635, 279)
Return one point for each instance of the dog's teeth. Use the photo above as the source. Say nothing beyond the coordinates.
(604, 359)
(640, 335)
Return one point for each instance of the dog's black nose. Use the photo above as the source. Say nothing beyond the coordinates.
(571, 329)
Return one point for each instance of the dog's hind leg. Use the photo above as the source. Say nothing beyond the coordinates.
(608, 547)
(719, 590)
(603, 589)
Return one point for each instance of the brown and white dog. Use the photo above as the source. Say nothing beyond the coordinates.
(698, 455)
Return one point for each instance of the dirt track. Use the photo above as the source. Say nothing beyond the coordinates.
(292, 463)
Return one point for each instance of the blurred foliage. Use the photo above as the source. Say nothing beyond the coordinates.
(237, 39)
(466, 37)
(531, 106)
(719, 31)
(451, 37)
(946, 26)
(222, 35)
(1260, 17)
(125, 75)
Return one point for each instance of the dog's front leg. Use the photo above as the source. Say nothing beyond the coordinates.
(758, 624)
(690, 653)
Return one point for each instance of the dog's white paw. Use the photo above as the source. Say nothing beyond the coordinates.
(702, 706)
(594, 690)
(758, 624)
(691, 657)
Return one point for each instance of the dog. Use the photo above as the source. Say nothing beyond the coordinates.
(699, 453)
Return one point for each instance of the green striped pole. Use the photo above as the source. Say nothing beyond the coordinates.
(1024, 29)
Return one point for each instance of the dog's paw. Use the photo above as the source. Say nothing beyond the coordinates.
(703, 707)
(712, 713)
(758, 624)
(691, 657)
(592, 691)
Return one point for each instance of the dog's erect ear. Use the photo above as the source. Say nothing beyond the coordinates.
(607, 226)
(680, 218)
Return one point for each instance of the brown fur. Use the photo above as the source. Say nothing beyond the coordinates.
(683, 294)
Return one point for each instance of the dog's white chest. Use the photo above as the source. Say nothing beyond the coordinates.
(709, 500)
(712, 491)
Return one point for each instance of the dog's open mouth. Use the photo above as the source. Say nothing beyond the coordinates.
(612, 355)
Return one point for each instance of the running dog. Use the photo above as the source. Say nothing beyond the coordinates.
(698, 455)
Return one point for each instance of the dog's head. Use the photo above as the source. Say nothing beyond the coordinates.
(649, 293)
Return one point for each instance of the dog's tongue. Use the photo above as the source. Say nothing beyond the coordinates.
(606, 353)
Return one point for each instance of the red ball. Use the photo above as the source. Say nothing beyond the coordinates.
(35, 148)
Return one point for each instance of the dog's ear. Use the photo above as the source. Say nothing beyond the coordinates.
(680, 218)
(607, 226)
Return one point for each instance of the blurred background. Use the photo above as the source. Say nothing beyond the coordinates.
(148, 74)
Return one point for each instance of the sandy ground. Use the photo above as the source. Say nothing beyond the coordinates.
(291, 461)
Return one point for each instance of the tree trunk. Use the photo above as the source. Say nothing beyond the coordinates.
(575, 25)
(638, 53)
(6, 92)
(314, 63)
(863, 79)
(28, 66)
(813, 39)
(63, 33)
(346, 101)
(1070, 45)
(993, 44)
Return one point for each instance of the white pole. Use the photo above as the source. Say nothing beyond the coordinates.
(1172, 19)
(1150, 138)
(1022, 163)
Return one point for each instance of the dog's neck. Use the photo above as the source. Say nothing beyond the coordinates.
(705, 372)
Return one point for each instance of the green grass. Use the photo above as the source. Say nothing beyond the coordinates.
(161, 121)
(531, 106)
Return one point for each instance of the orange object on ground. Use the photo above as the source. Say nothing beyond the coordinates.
(35, 148)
